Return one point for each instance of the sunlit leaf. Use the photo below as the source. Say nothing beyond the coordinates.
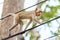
(27, 33)
(32, 37)
(58, 6)
(59, 0)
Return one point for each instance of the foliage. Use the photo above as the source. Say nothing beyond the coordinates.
(59, 0)
(48, 15)
(45, 16)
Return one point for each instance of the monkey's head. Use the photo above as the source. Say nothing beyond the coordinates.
(38, 12)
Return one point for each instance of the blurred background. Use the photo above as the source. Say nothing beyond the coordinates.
(48, 31)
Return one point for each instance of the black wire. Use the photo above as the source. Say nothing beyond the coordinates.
(52, 36)
(24, 9)
(30, 28)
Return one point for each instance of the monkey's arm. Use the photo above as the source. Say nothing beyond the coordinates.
(37, 21)
(21, 24)
(28, 24)
(15, 22)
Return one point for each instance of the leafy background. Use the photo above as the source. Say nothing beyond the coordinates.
(49, 12)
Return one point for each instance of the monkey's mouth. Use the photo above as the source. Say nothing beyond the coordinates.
(38, 14)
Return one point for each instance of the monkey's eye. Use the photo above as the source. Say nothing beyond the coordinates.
(38, 11)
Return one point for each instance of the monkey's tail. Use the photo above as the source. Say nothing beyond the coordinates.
(9, 14)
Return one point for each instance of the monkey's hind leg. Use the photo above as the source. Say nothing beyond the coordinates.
(21, 25)
(16, 20)
(12, 28)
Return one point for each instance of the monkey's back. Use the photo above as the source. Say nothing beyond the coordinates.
(26, 15)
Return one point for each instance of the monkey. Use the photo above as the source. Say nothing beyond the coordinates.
(24, 15)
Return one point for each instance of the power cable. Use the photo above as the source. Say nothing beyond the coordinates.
(24, 9)
(30, 29)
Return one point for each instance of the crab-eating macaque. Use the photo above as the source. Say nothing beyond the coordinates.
(17, 18)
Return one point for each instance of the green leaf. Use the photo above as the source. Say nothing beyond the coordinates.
(58, 31)
(58, 6)
(32, 37)
(24, 22)
(27, 33)
(48, 15)
(59, 0)
(34, 24)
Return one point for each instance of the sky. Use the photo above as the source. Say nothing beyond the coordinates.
(44, 31)
(1, 7)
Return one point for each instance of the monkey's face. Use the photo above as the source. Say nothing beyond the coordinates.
(38, 12)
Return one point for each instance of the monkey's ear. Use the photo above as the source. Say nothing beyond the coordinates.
(37, 10)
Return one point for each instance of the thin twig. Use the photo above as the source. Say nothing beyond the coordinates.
(52, 36)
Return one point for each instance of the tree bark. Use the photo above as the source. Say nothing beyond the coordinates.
(10, 6)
